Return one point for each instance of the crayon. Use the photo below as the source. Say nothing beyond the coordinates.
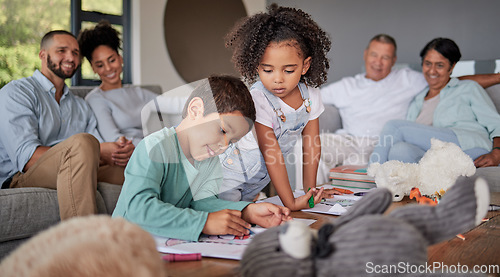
(182, 257)
(311, 200)
(345, 191)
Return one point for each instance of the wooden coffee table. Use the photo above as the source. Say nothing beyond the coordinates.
(481, 247)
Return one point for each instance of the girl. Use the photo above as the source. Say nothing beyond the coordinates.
(287, 50)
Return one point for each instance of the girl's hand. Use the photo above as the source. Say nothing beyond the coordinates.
(302, 202)
(226, 222)
(329, 193)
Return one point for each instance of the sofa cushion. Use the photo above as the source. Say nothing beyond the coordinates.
(330, 120)
(109, 193)
(26, 211)
(491, 175)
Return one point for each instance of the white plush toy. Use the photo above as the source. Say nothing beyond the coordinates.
(438, 169)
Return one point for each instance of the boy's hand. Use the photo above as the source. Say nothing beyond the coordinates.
(226, 222)
(266, 214)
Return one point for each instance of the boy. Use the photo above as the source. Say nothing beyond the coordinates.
(173, 176)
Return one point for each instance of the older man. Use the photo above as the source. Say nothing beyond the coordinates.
(49, 137)
(367, 101)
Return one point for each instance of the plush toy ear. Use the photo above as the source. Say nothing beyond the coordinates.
(295, 239)
(482, 193)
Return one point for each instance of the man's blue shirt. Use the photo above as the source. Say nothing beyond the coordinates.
(30, 117)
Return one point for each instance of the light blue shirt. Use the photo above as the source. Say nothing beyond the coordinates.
(30, 117)
(466, 109)
(167, 195)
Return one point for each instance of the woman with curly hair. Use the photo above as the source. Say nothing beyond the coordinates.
(287, 51)
(117, 107)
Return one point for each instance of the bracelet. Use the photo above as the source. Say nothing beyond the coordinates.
(495, 148)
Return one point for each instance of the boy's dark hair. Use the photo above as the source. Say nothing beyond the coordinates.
(102, 34)
(48, 37)
(250, 37)
(224, 94)
(444, 46)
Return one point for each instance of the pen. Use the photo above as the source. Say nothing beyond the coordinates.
(182, 257)
(345, 191)
(311, 200)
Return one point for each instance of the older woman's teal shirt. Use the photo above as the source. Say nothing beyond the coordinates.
(465, 108)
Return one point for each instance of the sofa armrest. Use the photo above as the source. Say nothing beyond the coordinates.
(494, 93)
(329, 120)
(26, 211)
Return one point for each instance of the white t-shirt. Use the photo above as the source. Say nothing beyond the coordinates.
(366, 105)
(266, 116)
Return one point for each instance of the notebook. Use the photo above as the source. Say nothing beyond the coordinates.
(351, 176)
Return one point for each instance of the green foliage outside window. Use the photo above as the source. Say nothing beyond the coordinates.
(23, 24)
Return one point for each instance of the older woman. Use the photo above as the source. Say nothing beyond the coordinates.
(451, 110)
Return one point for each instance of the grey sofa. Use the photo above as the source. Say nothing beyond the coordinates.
(330, 121)
(26, 211)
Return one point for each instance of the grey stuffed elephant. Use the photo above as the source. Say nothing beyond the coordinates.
(364, 241)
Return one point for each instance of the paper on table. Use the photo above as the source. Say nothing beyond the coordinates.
(222, 246)
(277, 201)
(323, 208)
(334, 206)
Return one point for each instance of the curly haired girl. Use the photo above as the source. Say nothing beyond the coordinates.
(287, 50)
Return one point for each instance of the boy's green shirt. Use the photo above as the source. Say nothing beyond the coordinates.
(165, 194)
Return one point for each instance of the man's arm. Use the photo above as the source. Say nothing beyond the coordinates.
(40, 150)
(484, 80)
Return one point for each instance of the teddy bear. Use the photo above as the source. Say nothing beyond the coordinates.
(88, 246)
(438, 169)
(363, 239)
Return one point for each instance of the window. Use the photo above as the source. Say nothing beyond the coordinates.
(22, 26)
(87, 13)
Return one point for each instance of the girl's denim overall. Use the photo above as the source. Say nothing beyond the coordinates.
(245, 172)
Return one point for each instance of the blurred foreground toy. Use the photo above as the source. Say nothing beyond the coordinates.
(438, 169)
(363, 238)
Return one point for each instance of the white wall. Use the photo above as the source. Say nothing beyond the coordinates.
(351, 23)
(150, 61)
(473, 25)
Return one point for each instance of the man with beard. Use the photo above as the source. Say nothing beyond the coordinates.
(49, 136)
